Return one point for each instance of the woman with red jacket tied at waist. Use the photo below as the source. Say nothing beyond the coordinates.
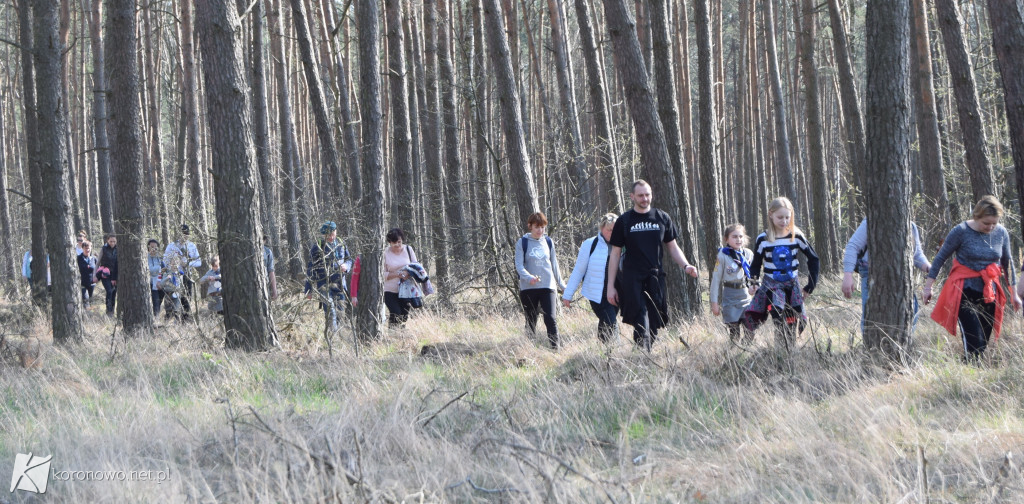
(973, 296)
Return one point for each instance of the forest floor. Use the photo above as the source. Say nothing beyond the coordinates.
(469, 409)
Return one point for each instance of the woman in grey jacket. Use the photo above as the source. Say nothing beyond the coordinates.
(539, 276)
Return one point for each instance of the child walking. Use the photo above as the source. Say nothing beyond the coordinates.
(731, 277)
(87, 271)
(779, 293)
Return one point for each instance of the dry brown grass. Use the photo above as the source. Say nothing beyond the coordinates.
(467, 409)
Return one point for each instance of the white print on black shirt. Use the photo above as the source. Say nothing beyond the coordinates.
(645, 226)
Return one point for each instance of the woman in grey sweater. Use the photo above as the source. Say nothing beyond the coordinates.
(979, 244)
(539, 276)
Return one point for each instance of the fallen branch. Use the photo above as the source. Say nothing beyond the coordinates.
(438, 412)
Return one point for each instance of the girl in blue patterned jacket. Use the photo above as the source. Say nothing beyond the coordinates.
(779, 294)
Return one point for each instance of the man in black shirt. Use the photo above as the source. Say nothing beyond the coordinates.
(643, 232)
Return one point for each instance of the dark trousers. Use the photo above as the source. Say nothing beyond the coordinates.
(158, 299)
(108, 284)
(642, 298)
(607, 325)
(398, 308)
(87, 293)
(536, 302)
(186, 295)
(976, 318)
(736, 328)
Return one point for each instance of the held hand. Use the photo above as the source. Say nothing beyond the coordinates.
(847, 285)
(613, 296)
(344, 267)
(716, 309)
(752, 290)
(566, 303)
(926, 294)
(355, 301)
(691, 270)
(926, 267)
(534, 280)
(1016, 303)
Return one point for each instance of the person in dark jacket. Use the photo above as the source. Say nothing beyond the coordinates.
(87, 270)
(108, 260)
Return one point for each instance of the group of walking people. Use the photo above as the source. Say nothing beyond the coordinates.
(620, 271)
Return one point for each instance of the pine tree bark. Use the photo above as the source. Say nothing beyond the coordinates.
(508, 98)
(261, 128)
(929, 141)
(961, 72)
(65, 297)
(247, 317)
(707, 135)
(99, 114)
(889, 313)
(482, 117)
(784, 166)
(610, 196)
(853, 119)
(815, 142)
(125, 124)
(156, 159)
(371, 279)
(286, 127)
(39, 271)
(418, 223)
(1007, 20)
(664, 71)
(402, 202)
(318, 101)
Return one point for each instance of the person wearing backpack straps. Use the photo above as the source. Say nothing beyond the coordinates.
(589, 275)
(397, 256)
(539, 276)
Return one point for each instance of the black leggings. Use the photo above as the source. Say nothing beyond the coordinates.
(157, 296)
(111, 289)
(976, 318)
(536, 302)
(398, 308)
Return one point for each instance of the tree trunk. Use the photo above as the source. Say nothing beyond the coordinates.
(851, 102)
(414, 70)
(193, 149)
(928, 126)
(889, 313)
(247, 316)
(453, 194)
(65, 297)
(815, 148)
(402, 201)
(664, 72)
(481, 105)
(156, 160)
(371, 279)
(961, 72)
(512, 121)
(707, 135)
(580, 180)
(133, 297)
(261, 119)
(609, 182)
(432, 147)
(99, 114)
(1007, 20)
(286, 127)
(784, 167)
(349, 119)
(39, 270)
(318, 101)
(7, 267)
